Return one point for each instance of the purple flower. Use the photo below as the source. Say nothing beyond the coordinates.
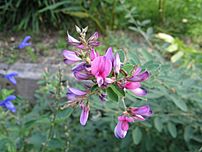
(140, 113)
(117, 63)
(122, 126)
(70, 57)
(73, 94)
(84, 113)
(81, 71)
(92, 41)
(139, 77)
(75, 42)
(11, 77)
(6, 103)
(25, 42)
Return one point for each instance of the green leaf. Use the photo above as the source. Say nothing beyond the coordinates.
(111, 94)
(147, 56)
(55, 143)
(188, 133)
(78, 14)
(158, 124)
(120, 92)
(53, 6)
(152, 66)
(177, 56)
(179, 103)
(36, 139)
(128, 67)
(137, 135)
(95, 87)
(172, 48)
(172, 129)
(64, 114)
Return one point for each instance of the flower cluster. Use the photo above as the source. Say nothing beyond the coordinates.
(102, 71)
(6, 103)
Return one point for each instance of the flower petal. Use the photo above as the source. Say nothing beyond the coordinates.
(132, 85)
(95, 65)
(94, 37)
(107, 67)
(11, 77)
(118, 132)
(84, 114)
(93, 54)
(124, 125)
(100, 80)
(101, 66)
(137, 70)
(140, 77)
(77, 92)
(109, 54)
(144, 110)
(117, 63)
(73, 41)
(69, 55)
(139, 92)
(9, 105)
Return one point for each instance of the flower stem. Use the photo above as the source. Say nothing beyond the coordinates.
(124, 104)
(55, 110)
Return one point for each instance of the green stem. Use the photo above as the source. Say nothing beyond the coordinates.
(124, 104)
(58, 91)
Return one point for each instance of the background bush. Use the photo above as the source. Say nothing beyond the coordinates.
(176, 16)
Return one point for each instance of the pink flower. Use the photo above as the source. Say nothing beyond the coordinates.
(101, 67)
(140, 113)
(84, 113)
(122, 126)
(135, 87)
(133, 83)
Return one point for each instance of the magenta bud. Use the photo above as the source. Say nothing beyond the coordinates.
(140, 113)
(122, 126)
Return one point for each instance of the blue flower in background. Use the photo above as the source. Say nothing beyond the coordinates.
(8, 104)
(11, 77)
(25, 42)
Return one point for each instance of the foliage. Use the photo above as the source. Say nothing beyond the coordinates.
(61, 13)
(178, 50)
(174, 95)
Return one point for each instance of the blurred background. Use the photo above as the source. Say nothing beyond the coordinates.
(163, 36)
